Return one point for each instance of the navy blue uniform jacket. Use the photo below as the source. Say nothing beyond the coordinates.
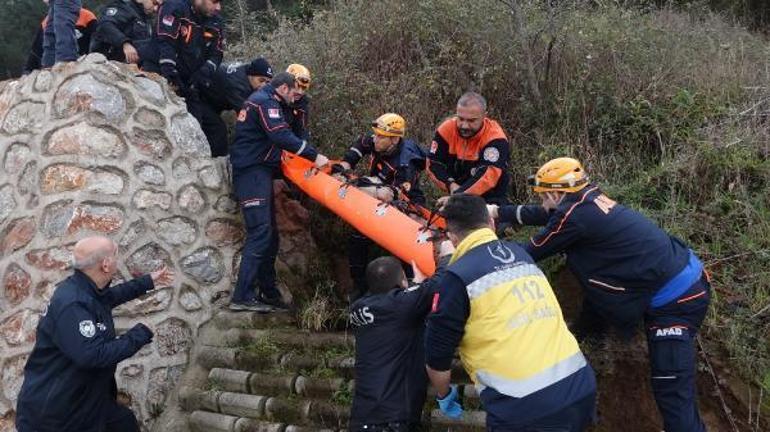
(69, 378)
(261, 132)
(188, 44)
(391, 381)
(619, 256)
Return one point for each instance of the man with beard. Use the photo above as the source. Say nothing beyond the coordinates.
(261, 134)
(469, 153)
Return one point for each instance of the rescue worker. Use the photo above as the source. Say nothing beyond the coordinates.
(124, 32)
(470, 152)
(261, 133)
(395, 164)
(84, 28)
(498, 307)
(388, 325)
(69, 380)
(232, 85)
(190, 44)
(298, 112)
(630, 270)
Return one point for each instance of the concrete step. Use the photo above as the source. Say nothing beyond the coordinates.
(270, 361)
(225, 320)
(259, 383)
(472, 421)
(287, 410)
(203, 421)
(281, 337)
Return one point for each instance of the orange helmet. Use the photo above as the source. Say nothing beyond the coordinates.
(301, 74)
(559, 175)
(389, 124)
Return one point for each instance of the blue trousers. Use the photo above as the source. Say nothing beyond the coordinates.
(60, 43)
(573, 418)
(671, 331)
(254, 190)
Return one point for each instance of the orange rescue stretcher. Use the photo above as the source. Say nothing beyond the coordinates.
(390, 228)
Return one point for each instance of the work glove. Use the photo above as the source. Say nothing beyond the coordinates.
(449, 405)
(172, 76)
(337, 168)
(203, 77)
(139, 334)
(321, 161)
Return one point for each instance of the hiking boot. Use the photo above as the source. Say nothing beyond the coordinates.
(277, 304)
(251, 305)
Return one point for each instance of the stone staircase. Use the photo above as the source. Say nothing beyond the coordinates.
(260, 373)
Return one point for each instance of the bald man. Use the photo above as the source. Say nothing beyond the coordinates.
(69, 379)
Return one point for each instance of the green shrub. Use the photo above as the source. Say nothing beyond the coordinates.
(668, 110)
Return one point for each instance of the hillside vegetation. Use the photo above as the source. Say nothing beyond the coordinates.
(668, 109)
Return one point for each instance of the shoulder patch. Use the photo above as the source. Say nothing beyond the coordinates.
(87, 328)
(491, 154)
(242, 115)
(111, 11)
(274, 113)
(168, 20)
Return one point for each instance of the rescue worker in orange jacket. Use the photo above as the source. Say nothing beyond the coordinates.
(470, 152)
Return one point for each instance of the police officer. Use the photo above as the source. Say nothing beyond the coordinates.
(232, 85)
(69, 380)
(395, 164)
(498, 307)
(190, 44)
(388, 324)
(470, 152)
(298, 112)
(261, 133)
(84, 29)
(124, 31)
(630, 270)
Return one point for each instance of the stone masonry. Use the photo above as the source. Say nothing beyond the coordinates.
(94, 147)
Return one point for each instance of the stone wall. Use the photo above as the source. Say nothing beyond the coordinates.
(94, 147)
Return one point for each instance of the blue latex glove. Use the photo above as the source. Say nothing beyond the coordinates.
(449, 405)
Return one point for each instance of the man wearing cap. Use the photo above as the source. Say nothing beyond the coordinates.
(232, 84)
(395, 164)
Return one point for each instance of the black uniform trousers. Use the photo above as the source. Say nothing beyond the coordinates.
(211, 123)
(671, 331)
(254, 190)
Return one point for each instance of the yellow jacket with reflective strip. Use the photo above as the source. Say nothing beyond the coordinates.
(516, 340)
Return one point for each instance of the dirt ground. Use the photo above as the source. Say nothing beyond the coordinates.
(625, 396)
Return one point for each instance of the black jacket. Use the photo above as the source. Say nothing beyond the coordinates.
(297, 115)
(619, 256)
(230, 88)
(120, 22)
(391, 381)
(69, 378)
(190, 46)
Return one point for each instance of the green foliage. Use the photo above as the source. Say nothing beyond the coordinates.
(667, 108)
